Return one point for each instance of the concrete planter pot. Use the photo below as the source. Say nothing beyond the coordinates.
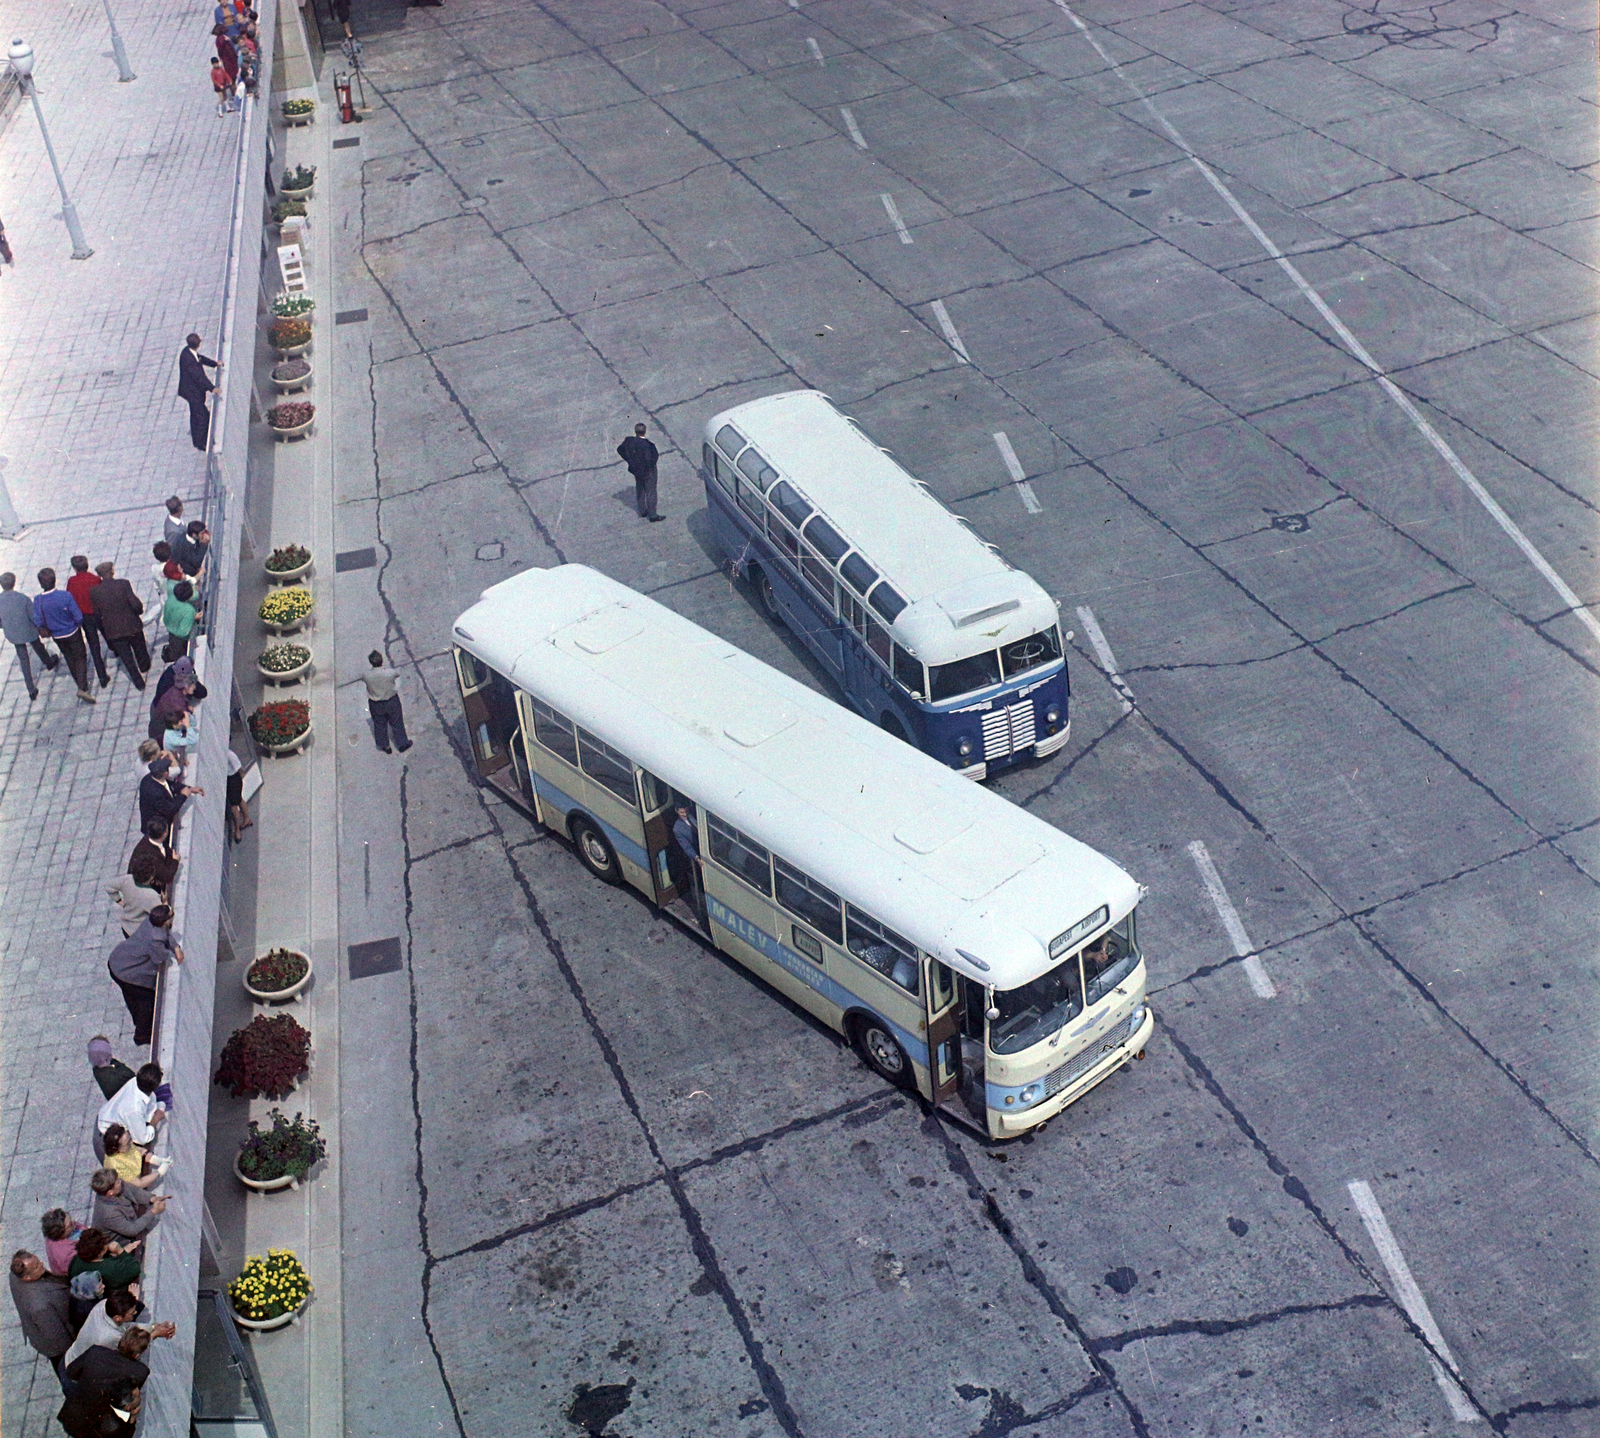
(287, 576)
(294, 746)
(270, 1185)
(293, 122)
(293, 386)
(264, 996)
(292, 352)
(266, 1325)
(295, 431)
(294, 626)
(304, 194)
(284, 676)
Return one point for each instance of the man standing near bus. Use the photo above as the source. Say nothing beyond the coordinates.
(640, 456)
(686, 839)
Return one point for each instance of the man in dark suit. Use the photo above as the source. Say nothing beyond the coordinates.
(43, 1309)
(193, 387)
(118, 609)
(640, 456)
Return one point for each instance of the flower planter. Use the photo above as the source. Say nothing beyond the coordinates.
(269, 1185)
(287, 576)
(284, 676)
(305, 309)
(294, 746)
(294, 121)
(265, 996)
(294, 431)
(293, 626)
(304, 194)
(266, 1325)
(300, 382)
(290, 351)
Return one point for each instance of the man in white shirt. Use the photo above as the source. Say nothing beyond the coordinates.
(383, 704)
(135, 1107)
(108, 1320)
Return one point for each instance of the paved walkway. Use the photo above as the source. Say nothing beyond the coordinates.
(93, 439)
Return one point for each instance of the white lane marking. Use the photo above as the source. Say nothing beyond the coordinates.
(941, 314)
(895, 220)
(816, 51)
(1108, 660)
(853, 128)
(1411, 1299)
(1254, 969)
(1019, 476)
(1356, 348)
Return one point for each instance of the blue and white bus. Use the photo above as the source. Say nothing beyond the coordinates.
(929, 633)
(966, 948)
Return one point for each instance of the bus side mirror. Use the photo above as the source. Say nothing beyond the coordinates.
(991, 1014)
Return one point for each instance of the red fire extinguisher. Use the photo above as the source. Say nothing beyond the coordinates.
(341, 90)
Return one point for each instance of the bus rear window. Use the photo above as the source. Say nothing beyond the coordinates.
(977, 671)
(790, 504)
(887, 601)
(1022, 655)
(740, 854)
(826, 538)
(860, 574)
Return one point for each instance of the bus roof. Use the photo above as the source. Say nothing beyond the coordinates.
(949, 577)
(961, 872)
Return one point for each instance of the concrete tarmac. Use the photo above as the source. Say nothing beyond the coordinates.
(1286, 312)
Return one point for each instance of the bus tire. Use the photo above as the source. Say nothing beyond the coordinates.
(881, 1051)
(595, 852)
(769, 600)
(891, 725)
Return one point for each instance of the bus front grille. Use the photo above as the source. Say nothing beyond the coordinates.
(1080, 1064)
(1007, 730)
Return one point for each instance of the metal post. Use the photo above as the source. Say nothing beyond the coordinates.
(80, 246)
(124, 70)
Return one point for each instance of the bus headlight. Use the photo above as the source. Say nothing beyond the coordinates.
(1137, 1018)
(964, 747)
(1030, 1093)
(1052, 715)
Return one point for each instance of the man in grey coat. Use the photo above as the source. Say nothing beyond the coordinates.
(44, 1309)
(121, 1210)
(135, 964)
(16, 619)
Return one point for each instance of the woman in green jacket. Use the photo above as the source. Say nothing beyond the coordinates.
(98, 1254)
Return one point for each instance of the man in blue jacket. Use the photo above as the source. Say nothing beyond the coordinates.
(58, 617)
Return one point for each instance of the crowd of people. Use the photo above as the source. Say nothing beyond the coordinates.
(236, 63)
(79, 1305)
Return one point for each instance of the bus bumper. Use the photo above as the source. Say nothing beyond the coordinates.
(1046, 747)
(1004, 1124)
(975, 772)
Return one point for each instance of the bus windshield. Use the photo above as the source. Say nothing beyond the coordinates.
(981, 671)
(1023, 654)
(1036, 1010)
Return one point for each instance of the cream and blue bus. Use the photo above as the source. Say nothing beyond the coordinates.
(967, 949)
(924, 627)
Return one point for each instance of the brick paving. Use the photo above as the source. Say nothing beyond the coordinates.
(94, 438)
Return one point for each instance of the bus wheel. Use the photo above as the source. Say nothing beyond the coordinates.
(882, 1052)
(595, 851)
(890, 725)
(769, 600)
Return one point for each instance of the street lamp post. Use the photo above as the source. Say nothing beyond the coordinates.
(124, 70)
(21, 57)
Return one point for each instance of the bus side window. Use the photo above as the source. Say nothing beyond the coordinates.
(749, 500)
(817, 574)
(859, 573)
(878, 639)
(908, 670)
(879, 947)
(555, 732)
(806, 899)
(783, 536)
(730, 440)
(719, 467)
(656, 794)
(941, 987)
(739, 854)
(606, 766)
(756, 470)
(854, 615)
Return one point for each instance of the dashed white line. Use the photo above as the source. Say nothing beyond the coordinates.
(816, 51)
(1254, 969)
(853, 128)
(1356, 348)
(1019, 476)
(941, 314)
(1108, 660)
(895, 220)
(1411, 1299)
